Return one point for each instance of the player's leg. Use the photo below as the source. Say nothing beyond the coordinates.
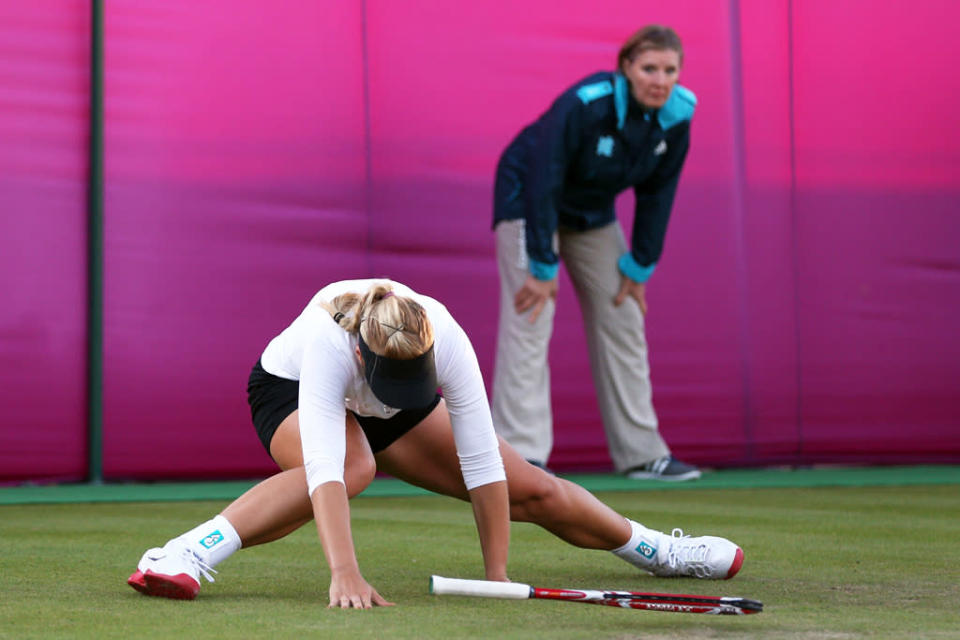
(268, 511)
(426, 457)
(279, 505)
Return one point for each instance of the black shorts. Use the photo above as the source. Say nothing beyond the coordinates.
(273, 398)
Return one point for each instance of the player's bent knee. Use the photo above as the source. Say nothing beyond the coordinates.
(358, 475)
(539, 496)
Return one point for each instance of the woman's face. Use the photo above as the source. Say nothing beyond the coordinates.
(652, 75)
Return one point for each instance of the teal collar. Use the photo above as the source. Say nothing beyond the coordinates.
(621, 98)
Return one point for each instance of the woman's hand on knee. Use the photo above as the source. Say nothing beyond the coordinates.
(631, 289)
(534, 294)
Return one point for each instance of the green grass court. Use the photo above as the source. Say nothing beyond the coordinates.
(832, 553)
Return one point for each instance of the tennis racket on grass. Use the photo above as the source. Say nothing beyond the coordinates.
(676, 602)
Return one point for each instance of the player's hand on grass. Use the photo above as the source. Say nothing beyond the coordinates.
(631, 289)
(348, 590)
(534, 294)
(497, 572)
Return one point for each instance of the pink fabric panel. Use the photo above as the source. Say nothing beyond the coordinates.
(878, 189)
(235, 173)
(44, 62)
(696, 297)
(440, 119)
(805, 308)
(767, 255)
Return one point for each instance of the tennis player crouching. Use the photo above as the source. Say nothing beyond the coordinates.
(349, 388)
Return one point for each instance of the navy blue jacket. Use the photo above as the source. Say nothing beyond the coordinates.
(594, 142)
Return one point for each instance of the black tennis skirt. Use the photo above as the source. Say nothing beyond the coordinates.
(273, 398)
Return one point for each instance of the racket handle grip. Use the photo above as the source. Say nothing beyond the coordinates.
(483, 588)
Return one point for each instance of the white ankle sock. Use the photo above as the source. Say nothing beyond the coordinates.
(213, 541)
(641, 549)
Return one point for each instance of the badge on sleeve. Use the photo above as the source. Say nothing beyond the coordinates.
(605, 146)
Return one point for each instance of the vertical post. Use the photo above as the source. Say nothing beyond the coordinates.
(738, 127)
(95, 253)
(367, 137)
(794, 225)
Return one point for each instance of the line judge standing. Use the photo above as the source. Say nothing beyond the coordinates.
(554, 196)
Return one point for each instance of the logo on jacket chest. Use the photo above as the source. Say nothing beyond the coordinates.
(661, 148)
(605, 146)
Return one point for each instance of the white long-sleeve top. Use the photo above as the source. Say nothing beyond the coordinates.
(321, 355)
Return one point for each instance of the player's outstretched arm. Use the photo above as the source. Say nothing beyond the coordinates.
(491, 510)
(348, 589)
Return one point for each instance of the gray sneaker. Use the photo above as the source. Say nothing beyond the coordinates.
(666, 468)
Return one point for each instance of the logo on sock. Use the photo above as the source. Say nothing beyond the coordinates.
(212, 540)
(645, 550)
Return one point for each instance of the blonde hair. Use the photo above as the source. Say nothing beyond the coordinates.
(392, 326)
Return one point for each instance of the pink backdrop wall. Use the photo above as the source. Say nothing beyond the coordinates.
(805, 309)
(44, 75)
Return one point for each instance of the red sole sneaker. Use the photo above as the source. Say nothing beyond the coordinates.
(137, 582)
(737, 563)
(178, 587)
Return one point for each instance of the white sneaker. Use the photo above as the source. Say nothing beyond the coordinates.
(707, 557)
(171, 572)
